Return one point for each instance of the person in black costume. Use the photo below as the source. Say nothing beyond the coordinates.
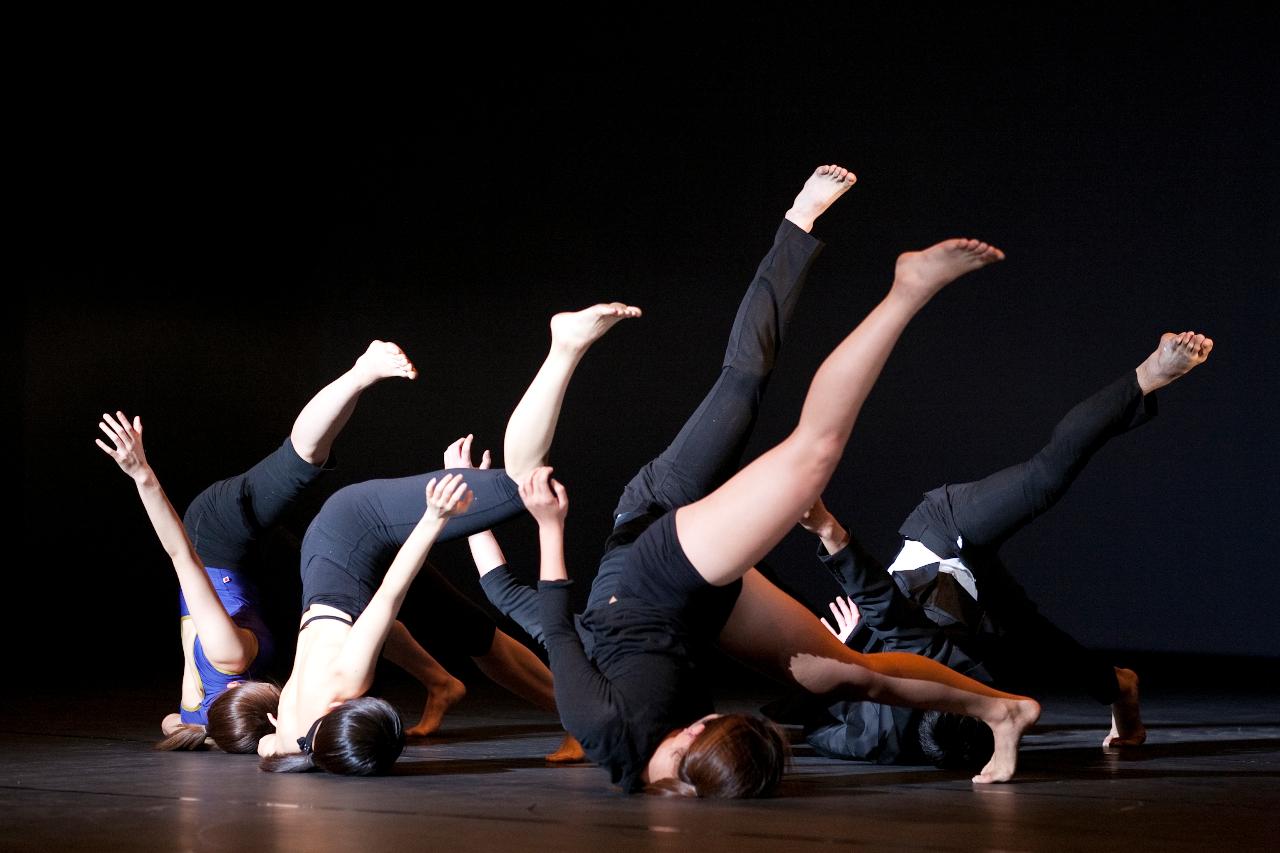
(677, 573)
(948, 595)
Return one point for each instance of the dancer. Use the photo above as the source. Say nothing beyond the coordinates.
(361, 552)
(677, 572)
(224, 639)
(948, 595)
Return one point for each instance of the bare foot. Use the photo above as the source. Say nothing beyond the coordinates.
(567, 752)
(1175, 356)
(825, 185)
(1021, 714)
(383, 360)
(920, 275)
(577, 330)
(440, 698)
(1126, 721)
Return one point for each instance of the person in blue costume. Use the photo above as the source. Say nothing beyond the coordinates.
(677, 571)
(224, 639)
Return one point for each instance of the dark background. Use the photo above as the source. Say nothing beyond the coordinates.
(212, 227)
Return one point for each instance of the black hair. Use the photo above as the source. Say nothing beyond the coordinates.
(360, 737)
(954, 741)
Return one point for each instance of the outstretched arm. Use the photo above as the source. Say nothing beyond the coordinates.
(227, 645)
(354, 666)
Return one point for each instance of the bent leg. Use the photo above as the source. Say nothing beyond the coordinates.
(443, 690)
(728, 531)
(224, 520)
(511, 665)
(989, 511)
(324, 416)
(770, 629)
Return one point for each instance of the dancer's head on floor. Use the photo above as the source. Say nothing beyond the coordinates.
(360, 737)
(238, 718)
(953, 741)
(723, 756)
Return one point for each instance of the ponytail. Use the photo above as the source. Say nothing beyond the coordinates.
(289, 762)
(186, 738)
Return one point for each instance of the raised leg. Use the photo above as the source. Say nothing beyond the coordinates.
(226, 518)
(773, 631)
(533, 423)
(709, 446)
(725, 533)
(324, 416)
(988, 511)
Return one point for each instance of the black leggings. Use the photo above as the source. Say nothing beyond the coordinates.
(709, 446)
(985, 513)
(357, 533)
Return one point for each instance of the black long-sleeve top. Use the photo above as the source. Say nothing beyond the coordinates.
(637, 687)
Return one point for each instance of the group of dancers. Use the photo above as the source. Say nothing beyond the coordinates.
(912, 666)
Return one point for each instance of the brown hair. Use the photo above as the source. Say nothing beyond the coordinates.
(736, 755)
(238, 718)
(360, 737)
(186, 737)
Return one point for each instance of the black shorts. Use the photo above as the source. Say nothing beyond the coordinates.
(225, 519)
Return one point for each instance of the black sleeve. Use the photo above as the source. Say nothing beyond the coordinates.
(584, 697)
(514, 599)
(898, 619)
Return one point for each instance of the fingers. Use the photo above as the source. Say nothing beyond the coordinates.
(535, 484)
(465, 450)
(105, 449)
(449, 496)
(486, 461)
(540, 491)
(827, 625)
(116, 439)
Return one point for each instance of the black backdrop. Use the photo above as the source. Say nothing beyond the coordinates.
(211, 229)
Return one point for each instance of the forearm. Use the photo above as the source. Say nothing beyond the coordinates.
(485, 552)
(358, 658)
(833, 536)
(551, 543)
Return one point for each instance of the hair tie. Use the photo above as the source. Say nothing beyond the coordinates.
(305, 742)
